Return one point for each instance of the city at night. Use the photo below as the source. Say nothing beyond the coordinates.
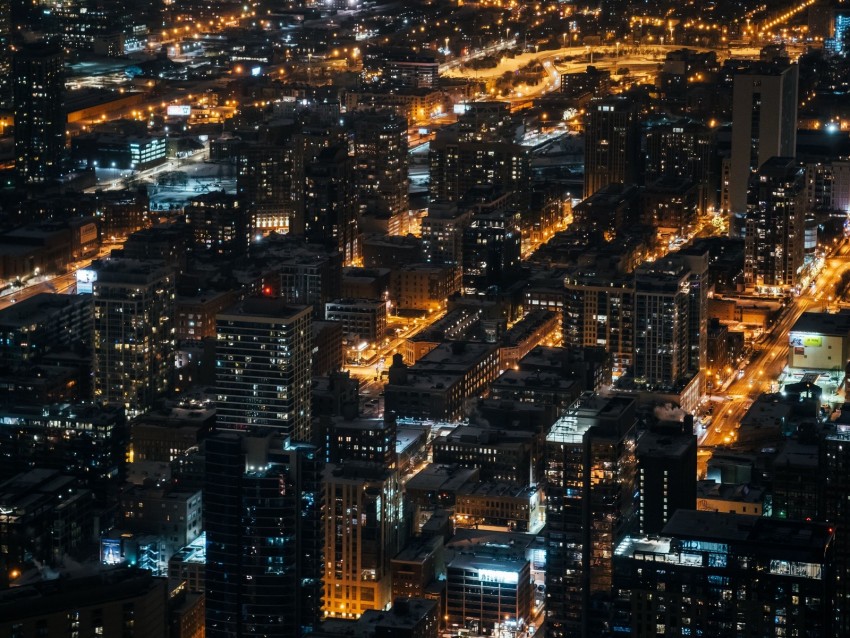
(424, 319)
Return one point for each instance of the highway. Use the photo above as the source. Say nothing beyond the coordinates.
(770, 357)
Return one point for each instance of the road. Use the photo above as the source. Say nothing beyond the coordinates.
(57, 283)
(770, 358)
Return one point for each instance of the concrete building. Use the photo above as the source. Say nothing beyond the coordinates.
(612, 143)
(764, 113)
(591, 506)
(365, 318)
(100, 605)
(775, 228)
(820, 341)
(488, 592)
(773, 576)
(264, 368)
(134, 307)
(362, 533)
(438, 385)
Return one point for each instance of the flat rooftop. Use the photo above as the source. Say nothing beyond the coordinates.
(824, 323)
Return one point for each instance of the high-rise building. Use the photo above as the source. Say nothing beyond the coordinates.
(263, 368)
(764, 124)
(723, 574)
(219, 223)
(264, 185)
(330, 205)
(311, 277)
(133, 331)
(611, 144)
(263, 504)
(666, 475)
(591, 506)
(442, 237)
(457, 166)
(835, 470)
(363, 532)
(37, 86)
(679, 148)
(598, 307)
(775, 227)
(662, 322)
(491, 252)
(380, 165)
(5, 52)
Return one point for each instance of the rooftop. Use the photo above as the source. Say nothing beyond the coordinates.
(824, 323)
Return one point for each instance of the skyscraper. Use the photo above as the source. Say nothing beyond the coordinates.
(663, 310)
(764, 124)
(37, 87)
(330, 205)
(590, 507)
(380, 165)
(263, 515)
(611, 143)
(835, 470)
(133, 331)
(263, 367)
(363, 533)
(775, 227)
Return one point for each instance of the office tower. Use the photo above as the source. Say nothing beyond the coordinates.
(264, 185)
(37, 87)
(380, 166)
(457, 166)
(363, 532)
(764, 124)
(263, 367)
(133, 332)
(591, 506)
(775, 227)
(719, 574)
(598, 308)
(611, 144)
(491, 252)
(219, 224)
(666, 475)
(330, 205)
(263, 505)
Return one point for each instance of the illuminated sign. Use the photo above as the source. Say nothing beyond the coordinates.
(179, 110)
(110, 551)
(85, 281)
(498, 576)
(806, 341)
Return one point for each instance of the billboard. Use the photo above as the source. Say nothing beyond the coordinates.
(806, 341)
(179, 110)
(85, 281)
